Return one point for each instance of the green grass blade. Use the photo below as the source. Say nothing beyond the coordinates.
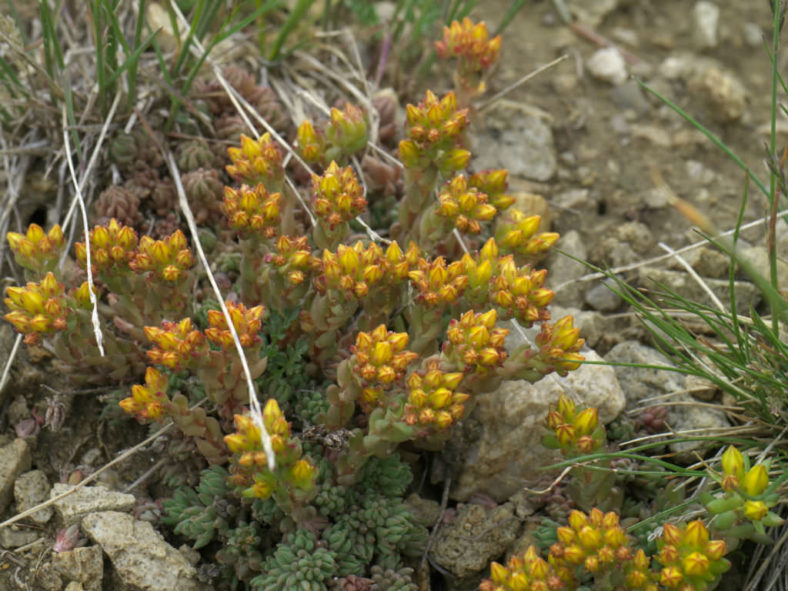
(291, 22)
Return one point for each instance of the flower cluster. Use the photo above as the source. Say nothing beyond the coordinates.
(518, 234)
(178, 344)
(464, 206)
(494, 184)
(36, 250)
(252, 211)
(435, 135)
(379, 359)
(347, 130)
(438, 285)
(598, 543)
(148, 402)
(256, 162)
(293, 477)
(337, 195)
(344, 135)
(246, 321)
(353, 270)
(559, 345)
(38, 308)
(470, 43)
(575, 433)
(433, 401)
(528, 572)
(689, 559)
(167, 259)
(112, 248)
(745, 497)
(474, 343)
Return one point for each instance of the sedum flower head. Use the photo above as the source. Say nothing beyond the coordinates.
(311, 144)
(433, 401)
(494, 184)
(519, 235)
(38, 308)
(437, 283)
(250, 463)
(520, 291)
(470, 43)
(559, 345)
(526, 572)
(337, 195)
(148, 402)
(178, 344)
(354, 270)
(595, 540)
(689, 558)
(247, 323)
(167, 259)
(256, 161)
(347, 129)
(464, 206)
(379, 359)
(475, 343)
(112, 248)
(252, 211)
(435, 135)
(293, 259)
(37, 250)
(575, 433)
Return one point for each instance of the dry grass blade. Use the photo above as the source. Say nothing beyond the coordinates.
(254, 404)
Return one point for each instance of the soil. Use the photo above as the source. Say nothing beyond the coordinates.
(612, 145)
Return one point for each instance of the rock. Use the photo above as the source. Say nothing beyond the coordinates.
(475, 536)
(706, 260)
(425, 511)
(572, 199)
(591, 13)
(499, 448)
(562, 270)
(700, 388)
(84, 566)
(140, 556)
(721, 92)
(705, 17)
(515, 139)
(601, 297)
(629, 95)
(31, 489)
(88, 499)
(645, 386)
(16, 536)
(758, 256)
(753, 35)
(607, 64)
(747, 295)
(14, 459)
(74, 586)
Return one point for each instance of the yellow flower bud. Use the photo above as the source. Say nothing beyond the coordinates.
(755, 481)
(695, 564)
(755, 510)
(733, 462)
(696, 535)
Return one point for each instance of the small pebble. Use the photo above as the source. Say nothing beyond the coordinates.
(608, 65)
(705, 17)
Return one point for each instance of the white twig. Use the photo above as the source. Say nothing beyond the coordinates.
(10, 361)
(93, 158)
(694, 274)
(254, 404)
(658, 259)
(87, 480)
(94, 317)
(490, 101)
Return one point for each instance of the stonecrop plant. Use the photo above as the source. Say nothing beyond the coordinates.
(361, 343)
